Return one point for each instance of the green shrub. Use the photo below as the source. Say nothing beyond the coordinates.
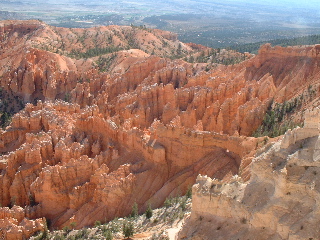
(66, 229)
(189, 192)
(127, 229)
(81, 234)
(149, 212)
(134, 211)
(97, 223)
(73, 225)
(277, 118)
(183, 203)
(168, 202)
(108, 234)
(114, 225)
(67, 97)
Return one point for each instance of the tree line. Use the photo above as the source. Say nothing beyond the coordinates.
(254, 47)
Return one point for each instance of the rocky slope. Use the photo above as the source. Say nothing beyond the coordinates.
(279, 202)
(109, 122)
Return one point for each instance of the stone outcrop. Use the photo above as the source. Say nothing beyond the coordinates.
(14, 223)
(280, 201)
(310, 129)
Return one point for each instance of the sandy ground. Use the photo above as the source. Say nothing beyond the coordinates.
(173, 232)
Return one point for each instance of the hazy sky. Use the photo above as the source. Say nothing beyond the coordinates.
(284, 3)
(288, 3)
(181, 6)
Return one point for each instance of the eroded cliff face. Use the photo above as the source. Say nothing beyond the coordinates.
(280, 201)
(76, 166)
(139, 88)
(90, 143)
(15, 223)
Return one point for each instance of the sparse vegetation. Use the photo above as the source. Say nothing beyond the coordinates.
(9, 105)
(73, 225)
(108, 234)
(93, 52)
(97, 223)
(277, 118)
(5, 119)
(104, 62)
(67, 97)
(126, 227)
(134, 211)
(149, 212)
(42, 235)
(159, 236)
(189, 192)
(66, 229)
(220, 56)
(254, 47)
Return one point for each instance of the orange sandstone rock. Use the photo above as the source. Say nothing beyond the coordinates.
(98, 142)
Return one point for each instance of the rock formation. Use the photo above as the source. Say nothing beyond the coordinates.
(280, 201)
(107, 121)
(15, 223)
(74, 163)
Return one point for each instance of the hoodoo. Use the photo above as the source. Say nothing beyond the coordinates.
(102, 119)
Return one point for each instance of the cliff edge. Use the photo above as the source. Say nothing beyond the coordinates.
(280, 201)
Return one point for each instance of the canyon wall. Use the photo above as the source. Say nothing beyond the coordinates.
(90, 142)
(280, 201)
(76, 166)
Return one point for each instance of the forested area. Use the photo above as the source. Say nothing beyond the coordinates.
(254, 47)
